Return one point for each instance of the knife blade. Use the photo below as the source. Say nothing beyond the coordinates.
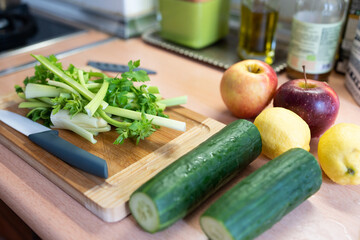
(49, 140)
(112, 67)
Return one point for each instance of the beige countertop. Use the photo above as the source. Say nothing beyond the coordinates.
(332, 213)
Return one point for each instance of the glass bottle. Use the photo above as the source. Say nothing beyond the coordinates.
(257, 29)
(315, 33)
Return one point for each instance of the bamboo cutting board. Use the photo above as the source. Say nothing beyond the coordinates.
(129, 165)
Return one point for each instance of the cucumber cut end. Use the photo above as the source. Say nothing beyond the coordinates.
(144, 211)
(214, 229)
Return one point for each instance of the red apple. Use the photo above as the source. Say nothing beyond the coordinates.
(315, 102)
(247, 87)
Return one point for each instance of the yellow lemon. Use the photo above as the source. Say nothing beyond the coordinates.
(339, 153)
(281, 130)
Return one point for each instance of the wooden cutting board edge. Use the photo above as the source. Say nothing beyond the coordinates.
(108, 201)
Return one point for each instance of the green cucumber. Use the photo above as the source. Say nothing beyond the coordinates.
(184, 184)
(264, 197)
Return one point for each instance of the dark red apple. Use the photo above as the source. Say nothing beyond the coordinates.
(314, 101)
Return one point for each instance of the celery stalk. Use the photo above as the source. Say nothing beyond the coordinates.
(33, 90)
(160, 121)
(68, 80)
(62, 85)
(33, 100)
(81, 77)
(46, 100)
(82, 119)
(161, 106)
(97, 74)
(65, 95)
(66, 124)
(112, 121)
(133, 95)
(151, 89)
(93, 85)
(102, 129)
(94, 104)
(174, 101)
(33, 104)
(158, 96)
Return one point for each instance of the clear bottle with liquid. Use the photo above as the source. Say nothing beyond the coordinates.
(257, 29)
(315, 34)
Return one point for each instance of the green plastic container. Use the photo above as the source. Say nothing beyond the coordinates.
(194, 24)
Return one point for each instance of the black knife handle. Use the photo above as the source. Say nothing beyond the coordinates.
(69, 153)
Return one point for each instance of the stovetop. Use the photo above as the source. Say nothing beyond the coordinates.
(49, 29)
(26, 28)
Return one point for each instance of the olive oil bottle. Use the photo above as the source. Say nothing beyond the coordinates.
(257, 30)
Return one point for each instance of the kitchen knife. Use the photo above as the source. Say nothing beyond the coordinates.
(112, 67)
(49, 140)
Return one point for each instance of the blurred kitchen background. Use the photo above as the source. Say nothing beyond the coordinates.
(29, 22)
(128, 18)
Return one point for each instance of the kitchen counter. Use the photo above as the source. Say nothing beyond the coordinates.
(332, 213)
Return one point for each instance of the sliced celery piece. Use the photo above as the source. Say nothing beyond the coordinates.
(81, 77)
(34, 90)
(66, 124)
(160, 121)
(68, 80)
(102, 129)
(93, 85)
(47, 100)
(33, 104)
(112, 121)
(62, 85)
(82, 119)
(151, 89)
(174, 101)
(94, 104)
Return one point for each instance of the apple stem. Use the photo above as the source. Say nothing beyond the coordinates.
(305, 76)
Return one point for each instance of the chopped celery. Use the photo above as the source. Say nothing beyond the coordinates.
(82, 119)
(33, 105)
(158, 96)
(33, 100)
(174, 101)
(112, 121)
(94, 104)
(133, 95)
(34, 90)
(64, 96)
(161, 106)
(160, 121)
(58, 72)
(47, 100)
(97, 74)
(100, 129)
(63, 85)
(151, 89)
(81, 124)
(66, 124)
(81, 77)
(93, 85)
